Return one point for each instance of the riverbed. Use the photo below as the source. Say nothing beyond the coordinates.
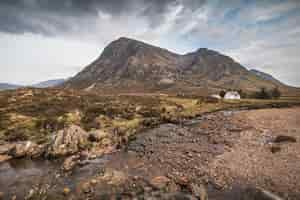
(226, 152)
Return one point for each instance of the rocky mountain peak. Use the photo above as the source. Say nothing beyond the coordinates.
(123, 48)
(128, 63)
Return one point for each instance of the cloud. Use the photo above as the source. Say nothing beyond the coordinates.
(56, 16)
(31, 58)
(260, 34)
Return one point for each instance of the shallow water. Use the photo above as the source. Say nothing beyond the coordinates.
(18, 176)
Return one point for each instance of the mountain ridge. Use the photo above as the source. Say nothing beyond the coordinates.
(265, 75)
(131, 65)
(43, 84)
(49, 83)
(8, 86)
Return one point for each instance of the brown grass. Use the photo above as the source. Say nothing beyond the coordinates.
(36, 113)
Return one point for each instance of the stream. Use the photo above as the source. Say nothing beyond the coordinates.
(168, 149)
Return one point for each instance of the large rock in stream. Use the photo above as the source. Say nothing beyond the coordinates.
(68, 141)
(20, 150)
(26, 149)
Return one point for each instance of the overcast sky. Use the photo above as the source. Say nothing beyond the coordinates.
(48, 39)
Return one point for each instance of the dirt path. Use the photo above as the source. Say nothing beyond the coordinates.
(223, 153)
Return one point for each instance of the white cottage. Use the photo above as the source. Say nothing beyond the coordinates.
(232, 95)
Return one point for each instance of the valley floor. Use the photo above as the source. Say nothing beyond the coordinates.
(222, 155)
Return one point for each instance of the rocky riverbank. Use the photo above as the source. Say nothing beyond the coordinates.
(223, 155)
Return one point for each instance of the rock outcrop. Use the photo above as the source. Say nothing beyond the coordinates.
(70, 162)
(20, 150)
(68, 141)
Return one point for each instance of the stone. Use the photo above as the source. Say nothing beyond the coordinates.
(1, 195)
(86, 188)
(275, 148)
(199, 191)
(4, 158)
(183, 181)
(176, 196)
(97, 135)
(30, 194)
(70, 162)
(66, 191)
(26, 149)
(259, 193)
(160, 182)
(20, 149)
(35, 150)
(284, 138)
(114, 177)
(68, 141)
(6, 148)
(94, 181)
(138, 108)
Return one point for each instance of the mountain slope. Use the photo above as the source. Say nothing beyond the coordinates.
(49, 83)
(265, 76)
(133, 66)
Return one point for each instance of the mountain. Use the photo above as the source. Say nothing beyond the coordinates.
(44, 84)
(128, 65)
(7, 86)
(265, 76)
(49, 83)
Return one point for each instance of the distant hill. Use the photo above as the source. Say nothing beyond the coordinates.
(44, 84)
(128, 65)
(7, 86)
(49, 83)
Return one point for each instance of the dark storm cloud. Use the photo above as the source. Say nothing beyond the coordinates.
(54, 16)
(51, 16)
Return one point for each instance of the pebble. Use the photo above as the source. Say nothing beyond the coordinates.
(30, 194)
(66, 191)
(86, 188)
(160, 182)
(199, 191)
(275, 148)
(94, 181)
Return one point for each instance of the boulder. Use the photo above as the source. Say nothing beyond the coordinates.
(66, 191)
(4, 158)
(160, 182)
(87, 187)
(97, 135)
(68, 141)
(138, 108)
(284, 138)
(6, 148)
(26, 149)
(199, 191)
(113, 177)
(275, 148)
(4, 152)
(93, 182)
(70, 162)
